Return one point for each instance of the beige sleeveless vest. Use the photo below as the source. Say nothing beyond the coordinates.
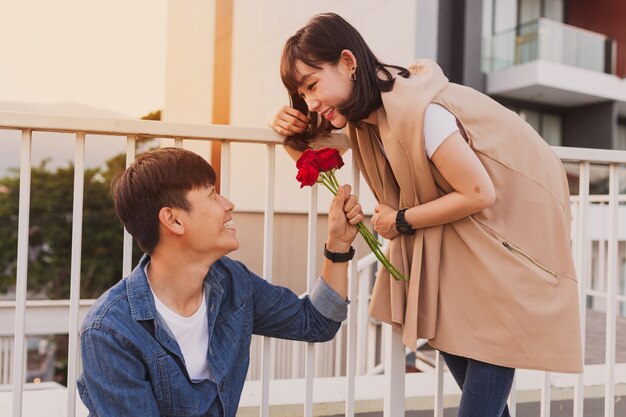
(498, 286)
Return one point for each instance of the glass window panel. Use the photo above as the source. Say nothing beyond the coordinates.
(551, 129)
(505, 15)
(553, 9)
(529, 10)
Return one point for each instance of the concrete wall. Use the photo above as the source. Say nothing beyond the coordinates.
(189, 64)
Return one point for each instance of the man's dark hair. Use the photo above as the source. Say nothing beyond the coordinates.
(157, 179)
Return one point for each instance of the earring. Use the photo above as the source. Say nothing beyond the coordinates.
(353, 73)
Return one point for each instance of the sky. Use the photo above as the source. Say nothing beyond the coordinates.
(105, 54)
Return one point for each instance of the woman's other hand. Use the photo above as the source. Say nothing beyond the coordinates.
(384, 221)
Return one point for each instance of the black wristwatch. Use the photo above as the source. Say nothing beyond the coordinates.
(339, 257)
(402, 225)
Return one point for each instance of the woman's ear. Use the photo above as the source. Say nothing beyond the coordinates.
(169, 219)
(349, 60)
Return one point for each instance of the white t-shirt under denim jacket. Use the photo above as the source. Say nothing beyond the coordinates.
(191, 333)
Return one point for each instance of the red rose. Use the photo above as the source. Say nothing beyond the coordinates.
(307, 173)
(308, 156)
(327, 159)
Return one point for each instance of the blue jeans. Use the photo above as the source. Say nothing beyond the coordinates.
(485, 387)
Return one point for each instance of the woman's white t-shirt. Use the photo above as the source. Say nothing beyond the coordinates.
(439, 124)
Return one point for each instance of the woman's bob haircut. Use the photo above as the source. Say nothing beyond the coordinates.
(320, 42)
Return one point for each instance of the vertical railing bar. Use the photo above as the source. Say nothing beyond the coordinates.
(353, 314)
(582, 262)
(22, 272)
(371, 344)
(178, 142)
(77, 233)
(439, 365)
(609, 399)
(395, 361)
(363, 318)
(127, 260)
(268, 253)
(338, 343)
(513, 398)
(546, 394)
(311, 263)
(602, 261)
(296, 359)
(5, 360)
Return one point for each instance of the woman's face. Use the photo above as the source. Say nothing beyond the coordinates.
(325, 89)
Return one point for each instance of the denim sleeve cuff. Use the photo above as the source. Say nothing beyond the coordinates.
(328, 302)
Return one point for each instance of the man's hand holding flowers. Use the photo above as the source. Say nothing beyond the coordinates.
(344, 214)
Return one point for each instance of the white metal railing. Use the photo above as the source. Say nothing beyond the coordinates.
(358, 358)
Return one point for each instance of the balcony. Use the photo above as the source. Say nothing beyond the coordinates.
(546, 62)
(364, 369)
(547, 40)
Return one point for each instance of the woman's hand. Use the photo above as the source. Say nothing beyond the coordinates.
(384, 221)
(287, 121)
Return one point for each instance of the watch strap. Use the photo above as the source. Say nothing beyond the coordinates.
(337, 256)
(402, 225)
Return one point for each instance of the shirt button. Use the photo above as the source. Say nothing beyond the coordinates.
(212, 307)
(210, 350)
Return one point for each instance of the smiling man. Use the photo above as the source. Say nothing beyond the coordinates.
(173, 338)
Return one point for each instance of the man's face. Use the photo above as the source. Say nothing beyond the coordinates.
(209, 227)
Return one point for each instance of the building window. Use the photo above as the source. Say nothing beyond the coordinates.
(548, 125)
(509, 14)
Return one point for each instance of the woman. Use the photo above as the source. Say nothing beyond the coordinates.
(474, 202)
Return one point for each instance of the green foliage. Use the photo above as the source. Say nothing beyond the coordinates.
(50, 231)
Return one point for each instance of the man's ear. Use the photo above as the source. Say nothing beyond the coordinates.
(168, 217)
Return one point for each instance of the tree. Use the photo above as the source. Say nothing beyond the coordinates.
(50, 231)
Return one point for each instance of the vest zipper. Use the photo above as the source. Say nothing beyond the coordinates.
(518, 251)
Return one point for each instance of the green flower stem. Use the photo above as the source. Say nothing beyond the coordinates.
(328, 180)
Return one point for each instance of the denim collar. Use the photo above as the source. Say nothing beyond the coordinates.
(140, 297)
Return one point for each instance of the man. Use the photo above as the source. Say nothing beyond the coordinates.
(173, 338)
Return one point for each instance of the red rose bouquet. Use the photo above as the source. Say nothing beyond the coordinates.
(319, 167)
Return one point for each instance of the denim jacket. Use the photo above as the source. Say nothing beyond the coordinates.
(133, 366)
